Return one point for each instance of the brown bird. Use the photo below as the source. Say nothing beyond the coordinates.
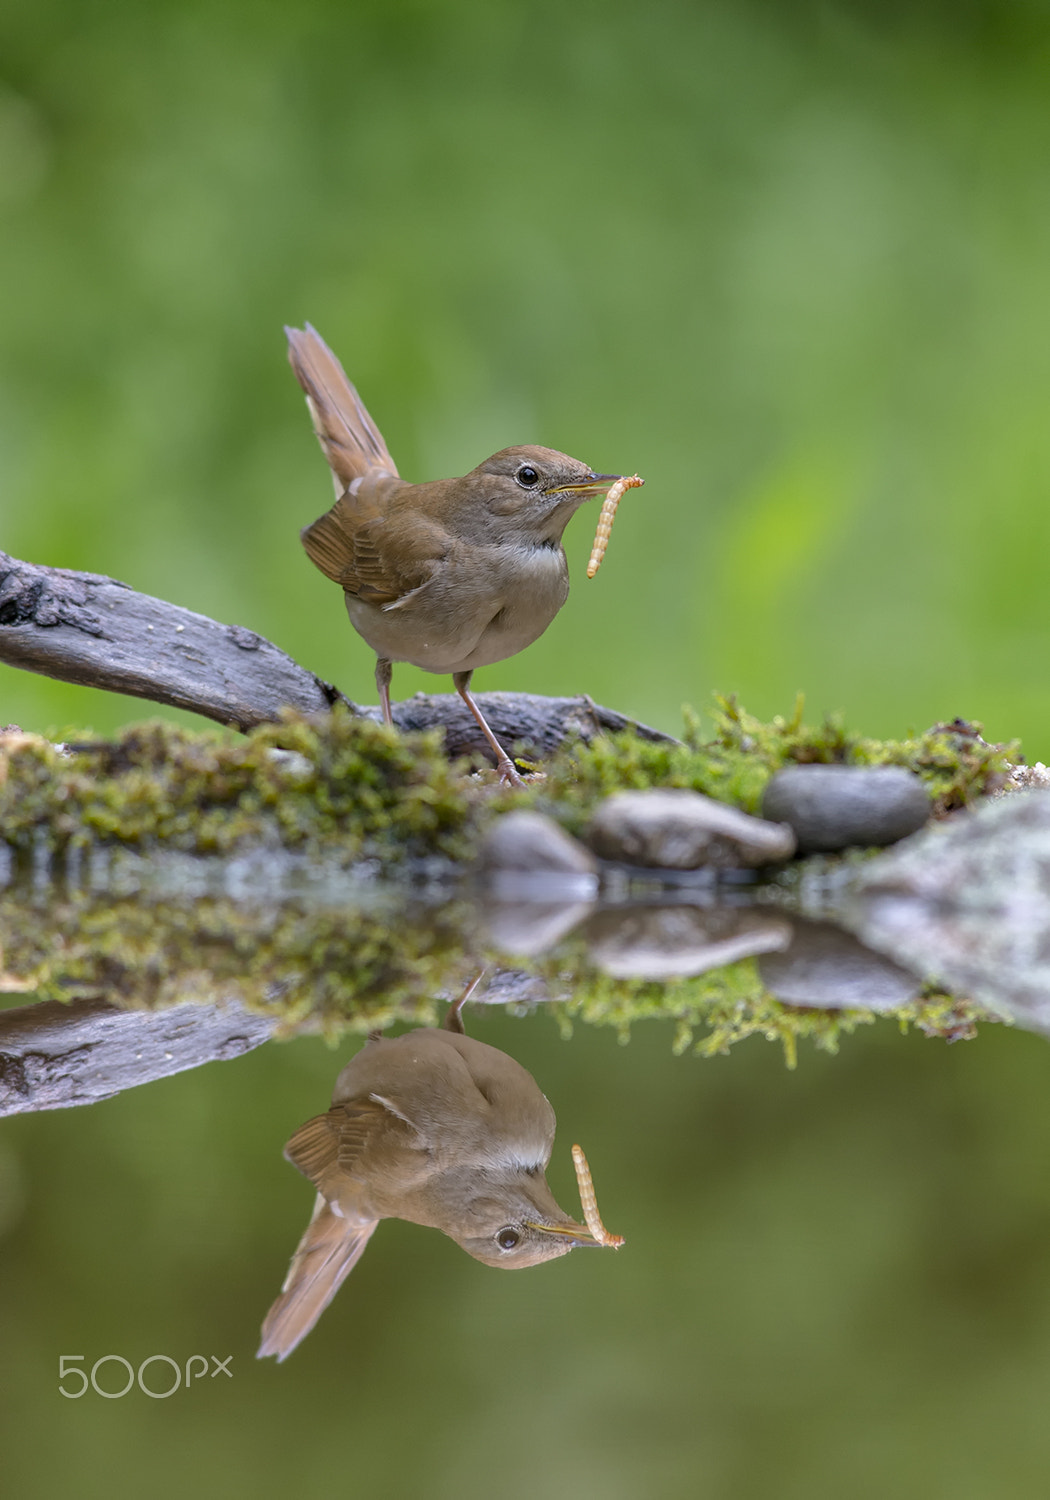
(450, 575)
(435, 1128)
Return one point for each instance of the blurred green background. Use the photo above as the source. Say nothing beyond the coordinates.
(792, 263)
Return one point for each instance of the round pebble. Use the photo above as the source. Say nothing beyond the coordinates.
(676, 829)
(838, 807)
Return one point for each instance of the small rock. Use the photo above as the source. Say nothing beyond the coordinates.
(529, 843)
(292, 763)
(827, 967)
(676, 829)
(836, 807)
(536, 883)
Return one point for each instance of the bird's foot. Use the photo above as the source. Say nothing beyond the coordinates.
(508, 773)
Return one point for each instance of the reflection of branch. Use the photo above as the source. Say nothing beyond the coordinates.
(54, 1055)
(88, 629)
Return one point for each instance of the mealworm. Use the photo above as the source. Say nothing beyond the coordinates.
(605, 520)
(590, 1202)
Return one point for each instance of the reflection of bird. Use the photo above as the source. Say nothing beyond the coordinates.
(450, 575)
(435, 1128)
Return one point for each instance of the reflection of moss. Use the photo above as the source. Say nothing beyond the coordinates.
(733, 1004)
(938, 1014)
(326, 969)
(349, 785)
(737, 762)
(351, 968)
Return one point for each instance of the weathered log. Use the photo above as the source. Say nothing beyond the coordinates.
(92, 630)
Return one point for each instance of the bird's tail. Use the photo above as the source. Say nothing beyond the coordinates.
(324, 1257)
(350, 440)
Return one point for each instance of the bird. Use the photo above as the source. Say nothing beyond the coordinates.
(436, 1128)
(449, 575)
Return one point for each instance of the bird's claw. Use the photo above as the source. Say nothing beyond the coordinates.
(508, 773)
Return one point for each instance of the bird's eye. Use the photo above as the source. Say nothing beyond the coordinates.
(507, 1238)
(527, 477)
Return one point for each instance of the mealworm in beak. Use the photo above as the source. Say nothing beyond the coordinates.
(605, 519)
(590, 1203)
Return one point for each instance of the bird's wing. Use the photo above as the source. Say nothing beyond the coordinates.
(350, 440)
(329, 1148)
(327, 1253)
(374, 550)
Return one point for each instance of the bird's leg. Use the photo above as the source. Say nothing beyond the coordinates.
(384, 672)
(504, 764)
(454, 1015)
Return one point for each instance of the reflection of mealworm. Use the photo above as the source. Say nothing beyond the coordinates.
(605, 520)
(590, 1202)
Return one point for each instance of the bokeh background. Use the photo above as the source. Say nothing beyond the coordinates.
(792, 263)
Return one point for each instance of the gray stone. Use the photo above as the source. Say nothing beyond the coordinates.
(676, 829)
(967, 902)
(529, 843)
(837, 807)
(535, 882)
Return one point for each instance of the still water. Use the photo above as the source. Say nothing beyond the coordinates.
(835, 1232)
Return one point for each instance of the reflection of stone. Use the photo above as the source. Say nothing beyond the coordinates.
(530, 927)
(668, 942)
(827, 967)
(537, 883)
(683, 830)
(968, 902)
(836, 807)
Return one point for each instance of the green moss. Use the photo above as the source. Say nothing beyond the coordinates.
(350, 786)
(735, 764)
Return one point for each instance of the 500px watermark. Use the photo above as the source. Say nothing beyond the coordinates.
(197, 1368)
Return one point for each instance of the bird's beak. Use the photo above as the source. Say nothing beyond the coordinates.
(581, 1237)
(594, 484)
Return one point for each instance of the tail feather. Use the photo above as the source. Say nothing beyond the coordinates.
(327, 1253)
(350, 440)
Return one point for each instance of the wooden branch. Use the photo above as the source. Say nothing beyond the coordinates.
(54, 1055)
(538, 724)
(89, 629)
